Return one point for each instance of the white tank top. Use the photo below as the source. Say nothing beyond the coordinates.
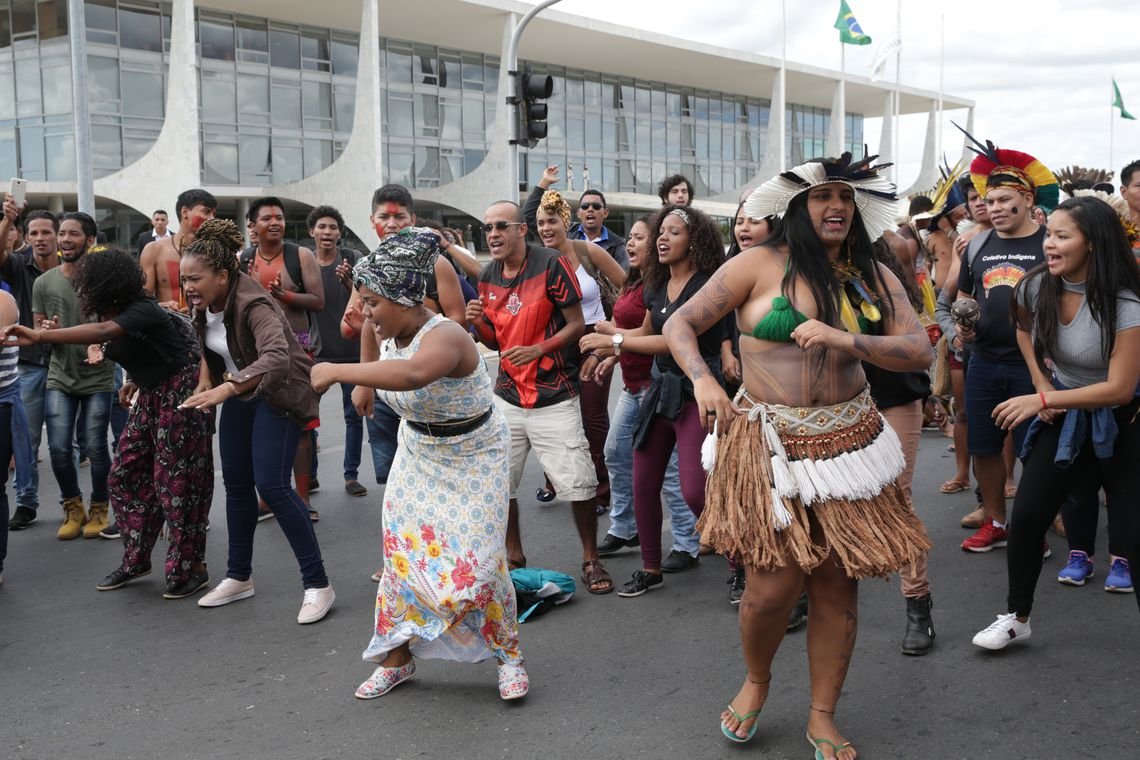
(592, 309)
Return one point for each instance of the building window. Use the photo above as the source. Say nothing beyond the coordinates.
(140, 28)
(252, 41)
(343, 54)
(216, 39)
(284, 49)
(315, 52)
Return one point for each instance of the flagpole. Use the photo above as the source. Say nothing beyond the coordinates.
(941, 78)
(781, 129)
(1112, 128)
(842, 97)
(897, 111)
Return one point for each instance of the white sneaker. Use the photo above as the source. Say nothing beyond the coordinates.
(1001, 632)
(317, 603)
(227, 591)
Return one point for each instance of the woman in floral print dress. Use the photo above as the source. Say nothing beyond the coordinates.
(445, 592)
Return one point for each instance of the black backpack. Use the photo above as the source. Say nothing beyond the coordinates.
(292, 263)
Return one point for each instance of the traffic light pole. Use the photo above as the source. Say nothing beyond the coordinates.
(512, 62)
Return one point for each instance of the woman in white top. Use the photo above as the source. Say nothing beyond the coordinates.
(595, 269)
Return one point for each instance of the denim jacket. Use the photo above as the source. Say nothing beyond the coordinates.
(1077, 426)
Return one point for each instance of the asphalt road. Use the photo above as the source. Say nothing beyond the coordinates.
(127, 674)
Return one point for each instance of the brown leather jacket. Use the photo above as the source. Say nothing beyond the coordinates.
(262, 343)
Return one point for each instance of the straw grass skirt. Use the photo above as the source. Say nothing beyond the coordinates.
(790, 485)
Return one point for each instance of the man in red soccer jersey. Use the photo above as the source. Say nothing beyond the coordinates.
(529, 311)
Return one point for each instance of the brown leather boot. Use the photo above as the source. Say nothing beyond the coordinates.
(96, 519)
(73, 519)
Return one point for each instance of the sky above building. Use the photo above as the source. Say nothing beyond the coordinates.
(1039, 70)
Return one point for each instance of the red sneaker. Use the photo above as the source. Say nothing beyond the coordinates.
(987, 537)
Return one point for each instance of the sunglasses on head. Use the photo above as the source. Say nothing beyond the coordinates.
(595, 206)
(500, 226)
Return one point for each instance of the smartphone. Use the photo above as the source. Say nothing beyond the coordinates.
(19, 191)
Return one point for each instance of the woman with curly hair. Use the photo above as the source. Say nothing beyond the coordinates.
(685, 249)
(254, 368)
(600, 278)
(163, 468)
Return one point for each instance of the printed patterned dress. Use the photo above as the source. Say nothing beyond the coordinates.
(446, 587)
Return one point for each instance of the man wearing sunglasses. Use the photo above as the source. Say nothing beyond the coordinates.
(529, 310)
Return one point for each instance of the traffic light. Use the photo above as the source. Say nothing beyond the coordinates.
(530, 90)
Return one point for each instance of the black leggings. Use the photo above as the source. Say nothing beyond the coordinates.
(1081, 512)
(1044, 487)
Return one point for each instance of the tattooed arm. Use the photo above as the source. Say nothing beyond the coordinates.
(726, 290)
(903, 346)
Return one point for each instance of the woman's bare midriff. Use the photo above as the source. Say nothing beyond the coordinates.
(783, 373)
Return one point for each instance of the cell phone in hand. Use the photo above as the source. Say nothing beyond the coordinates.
(19, 191)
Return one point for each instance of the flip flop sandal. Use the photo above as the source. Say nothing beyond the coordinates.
(730, 734)
(835, 748)
(594, 574)
(954, 486)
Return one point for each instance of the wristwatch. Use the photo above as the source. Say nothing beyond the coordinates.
(618, 340)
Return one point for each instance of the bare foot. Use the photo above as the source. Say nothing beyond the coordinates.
(738, 718)
(822, 732)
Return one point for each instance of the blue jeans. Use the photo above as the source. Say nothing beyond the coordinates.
(257, 445)
(118, 411)
(33, 389)
(619, 462)
(26, 469)
(5, 455)
(988, 383)
(62, 411)
(353, 436)
(383, 430)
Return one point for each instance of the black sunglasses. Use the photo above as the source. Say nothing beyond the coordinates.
(500, 226)
(595, 206)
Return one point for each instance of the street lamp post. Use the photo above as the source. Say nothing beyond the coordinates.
(512, 62)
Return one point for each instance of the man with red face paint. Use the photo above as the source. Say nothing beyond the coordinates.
(160, 259)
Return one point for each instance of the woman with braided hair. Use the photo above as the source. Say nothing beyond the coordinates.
(163, 467)
(254, 368)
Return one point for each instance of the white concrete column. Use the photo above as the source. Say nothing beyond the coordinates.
(474, 192)
(928, 173)
(174, 162)
(55, 204)
(347, 183)
(887, 136)
(242, 213)
(835, 133)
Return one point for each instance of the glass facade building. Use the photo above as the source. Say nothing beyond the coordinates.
(277, 99)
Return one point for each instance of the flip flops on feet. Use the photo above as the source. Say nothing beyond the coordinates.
(954, 486)
(819, 744)
(740, 719)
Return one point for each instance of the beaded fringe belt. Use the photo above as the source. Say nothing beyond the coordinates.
(840, 460)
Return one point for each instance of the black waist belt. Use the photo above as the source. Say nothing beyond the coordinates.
(445, 429)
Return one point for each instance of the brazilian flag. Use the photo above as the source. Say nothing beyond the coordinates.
(850, 33)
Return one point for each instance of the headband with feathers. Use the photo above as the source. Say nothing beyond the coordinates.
(947, 194)
(1016, 169)
(874, 195)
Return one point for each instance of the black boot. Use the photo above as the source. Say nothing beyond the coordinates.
(919, 636)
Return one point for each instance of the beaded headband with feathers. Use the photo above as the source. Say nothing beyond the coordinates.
(1021, 169)
(874, 195)
(1120, 206)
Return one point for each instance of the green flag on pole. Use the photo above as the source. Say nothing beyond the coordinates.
(850, 33)
(1118, 102)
